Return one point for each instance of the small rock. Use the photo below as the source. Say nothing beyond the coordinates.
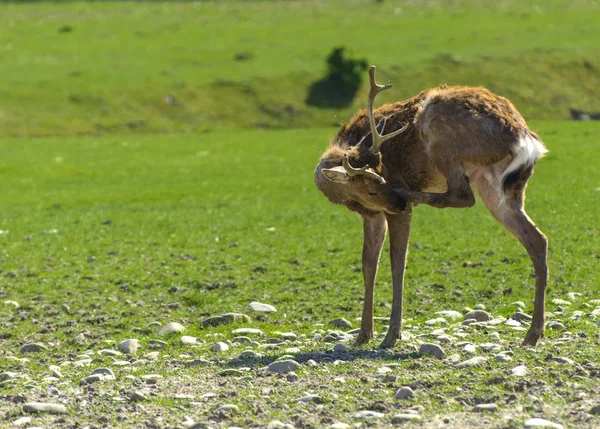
(453, 358)
(402, 418)
(292, 377)
(560, 359)
(555, 324)
(541, 423)
(469, 348)
(171, 328)
(276, 424)
(518, 304)
(226, 319)
(40, 407)
(432, 349)
(262, 308)
(79, 338)
(55, 370)
(106, 372)
(474, 361)
(32, 348)
(340, 348)
(22, 421)
(220, 347)
(520, 316)
(479, 315)
(14, 304)
(341, 323)
(241, 340)
(519, 371)
(450, 314)
(559, 301)
(339, 426)
(283, 366)
(490, 408)
(92, 379)
(137, 396)
(229, 409)
(595, 410)
(501, 357)
(248, 354)
(368, 415)
(186, 340)
(310, 398)
(129, 346)
(437, 321)
(247, 331)
(404, 392)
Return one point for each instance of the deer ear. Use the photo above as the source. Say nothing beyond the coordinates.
(367, 140)
(336, 174)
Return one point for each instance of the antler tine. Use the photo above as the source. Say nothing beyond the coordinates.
(378, 139)
(363, 171)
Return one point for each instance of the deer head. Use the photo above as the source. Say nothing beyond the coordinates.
(365, 187)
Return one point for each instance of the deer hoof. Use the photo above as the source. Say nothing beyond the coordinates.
(387, 343)
(532, 337)
(363, 338)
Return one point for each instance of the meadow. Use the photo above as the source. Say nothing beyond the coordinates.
(121, 213)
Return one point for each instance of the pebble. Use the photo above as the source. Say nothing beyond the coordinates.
(541, 423)
(248, 354)
(432, 349)
(341, 323)
(247, 331)
(450, 314)
(368, 415)
(402, 418)
(92, 379)
(479, 315)
(226, 319)
(454, 358)
(262, 308)
(40, 407)
(22, 421)
(520, 316)
(32, 348)
(595, 410)
(519, 371)
(559, 301)
(474, 361)
(15, 304)
(276, 424)
(469, 348)
(106, 372)
(155, 324)
(437, 321)
(229, 409)
(292, 377)
(518, 304)
(79, 338)
(339, 425)
(283, 366)
(291, 336)
(55, 370)
(404, 392)
(109, 352)
(490, 408)
(129, 346)
(562, 360)
(220, 347)
(186, 340)
(137, 396)
(340, 348)
(171, 328)
(501, 357)
(241, 340)
(555, 324)
(310, 398)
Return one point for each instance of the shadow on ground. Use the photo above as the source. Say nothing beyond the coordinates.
(330, 91)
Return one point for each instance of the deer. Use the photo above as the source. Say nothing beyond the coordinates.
(436, 148)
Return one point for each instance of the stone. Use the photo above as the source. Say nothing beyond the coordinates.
(283, 366)
(106, 372)
(40, 407)
(186, 340)
(560, 359)
(292, 377)
(229, 409)
(310, 398)
(501, 357)
(518, 304)
(247, 331)
(341, 323)
(489, 408)
(404, 392)
(248, 354)
(92, 379)
(402, 418)
(291, 336)
(474, 361)
(432, 349)
(437, 321)
(262, 308)
(171, 328)
(22, 421)
(129, 346)
(340, 348)
(368, 415)
(220, 347)
(450, 314)
(241, 340)
(79, 338)
(276, 424)
(541, 423)
(559, 301)
(137, 396)
(339, 425)
(520, 316)
(519, 371)
(478, 315)
(109, 352)
(453, 358)
(33, 348)
(226, 319)
(55, 370)
(595, 410)
(469, 348)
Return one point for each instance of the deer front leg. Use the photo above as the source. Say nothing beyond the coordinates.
(399, 226)
(374, 228)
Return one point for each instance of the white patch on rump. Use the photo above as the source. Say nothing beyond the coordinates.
(526, 152)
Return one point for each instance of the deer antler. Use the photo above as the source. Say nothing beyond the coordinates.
(378, 139)
(364, 171)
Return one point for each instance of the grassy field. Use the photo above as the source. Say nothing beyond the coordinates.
(103, 67)
(130, 230)
(157, 166)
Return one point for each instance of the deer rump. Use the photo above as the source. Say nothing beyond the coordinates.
(436, 148)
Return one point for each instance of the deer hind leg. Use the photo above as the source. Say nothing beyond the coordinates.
(374, 228)
(508, 208)
(458, 195)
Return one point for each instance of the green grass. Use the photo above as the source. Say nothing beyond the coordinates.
(232, 217)
(104, 67)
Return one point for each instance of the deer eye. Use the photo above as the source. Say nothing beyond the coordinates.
(372, 193)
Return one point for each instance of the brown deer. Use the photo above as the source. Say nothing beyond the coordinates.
(440, 146)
